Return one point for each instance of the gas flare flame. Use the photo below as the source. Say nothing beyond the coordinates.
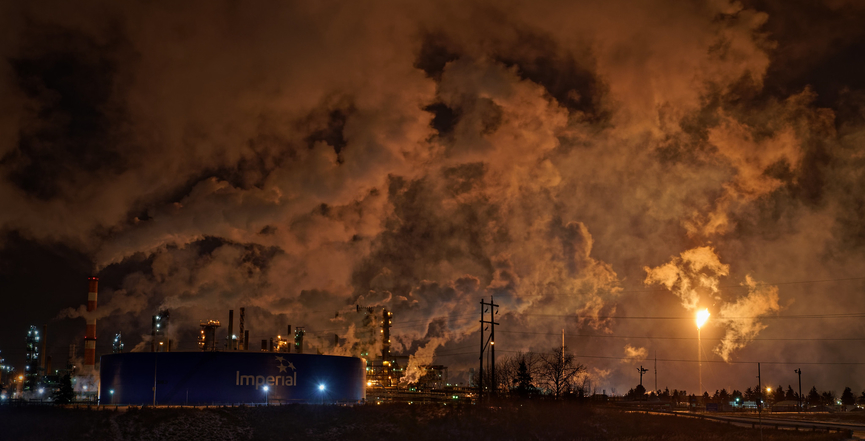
(702, 316)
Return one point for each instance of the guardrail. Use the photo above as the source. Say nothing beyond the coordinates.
(777, 425)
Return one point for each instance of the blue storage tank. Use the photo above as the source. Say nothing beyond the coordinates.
(230, 378)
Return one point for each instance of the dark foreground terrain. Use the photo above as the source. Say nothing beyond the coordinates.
(384, 422)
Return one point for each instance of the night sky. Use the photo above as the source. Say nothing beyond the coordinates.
(606, 168)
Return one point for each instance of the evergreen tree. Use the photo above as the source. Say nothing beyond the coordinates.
(778, 394)
(666, 393)
(65, 394)
(736, 394)
(847, 397)
(523, 380)
(791, 395)
(813, 396)
(828, 398)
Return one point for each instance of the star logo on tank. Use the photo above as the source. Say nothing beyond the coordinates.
(283, 367)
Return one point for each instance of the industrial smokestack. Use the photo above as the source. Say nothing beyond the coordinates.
(90, 334)
(44, 347)
(153, 333)
(231, 330)
(240, 331)
(246, 340)
(385, 334)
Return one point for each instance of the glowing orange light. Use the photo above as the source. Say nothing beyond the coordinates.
(702, 316)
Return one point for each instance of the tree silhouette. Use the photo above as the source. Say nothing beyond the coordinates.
(557, 372)
(523, 380)
(847, 397)
(791, 395)
(778, 394)
(813, 396)
(65, 394)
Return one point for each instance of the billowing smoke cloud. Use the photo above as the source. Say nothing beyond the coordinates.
(741, 317)
(317, 163)
(701, 267)
(418, 363)
(634, 354)
(695, 269)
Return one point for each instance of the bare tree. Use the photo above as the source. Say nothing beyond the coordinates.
(558, 372)
(508, 369)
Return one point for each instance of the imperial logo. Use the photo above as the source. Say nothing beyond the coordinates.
(290, 379)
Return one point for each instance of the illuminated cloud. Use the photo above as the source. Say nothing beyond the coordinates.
(302, 159)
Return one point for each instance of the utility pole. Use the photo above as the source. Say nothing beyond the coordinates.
(493, 344)
(799, 371)
(480, 378)
(760, 400)
(641, 370)
(492, 341)
(656, 371)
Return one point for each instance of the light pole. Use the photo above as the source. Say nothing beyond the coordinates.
(799, 371)
(111, 392)
(155, 366)
(266, 400)
(702, 316)
(321, 389)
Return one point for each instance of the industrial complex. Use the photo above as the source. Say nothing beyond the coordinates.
(226, 371)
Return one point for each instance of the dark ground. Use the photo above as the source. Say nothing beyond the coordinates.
(545, 421)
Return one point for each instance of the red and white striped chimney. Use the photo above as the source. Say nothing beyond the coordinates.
(90, 335)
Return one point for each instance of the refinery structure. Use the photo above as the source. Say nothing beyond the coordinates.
(227, 369)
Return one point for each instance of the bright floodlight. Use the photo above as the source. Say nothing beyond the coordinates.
(111, 391)
(320, 387)
(266, 388)
(702, 316)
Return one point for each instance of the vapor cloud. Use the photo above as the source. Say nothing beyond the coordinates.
(303, 159)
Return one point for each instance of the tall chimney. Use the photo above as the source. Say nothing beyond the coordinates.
(231, 330)
(246, 340)
(242, 343)
(153, 333)
(44, 347)
(90, 335)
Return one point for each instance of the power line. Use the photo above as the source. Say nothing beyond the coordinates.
(766, 317)
(729, 286)
(673, 360)
(682, 338)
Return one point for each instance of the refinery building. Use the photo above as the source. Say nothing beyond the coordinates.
(233, 371)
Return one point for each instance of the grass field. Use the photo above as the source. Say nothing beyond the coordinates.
(546, 421)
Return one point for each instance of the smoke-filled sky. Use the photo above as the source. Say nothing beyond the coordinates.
(603, 167)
